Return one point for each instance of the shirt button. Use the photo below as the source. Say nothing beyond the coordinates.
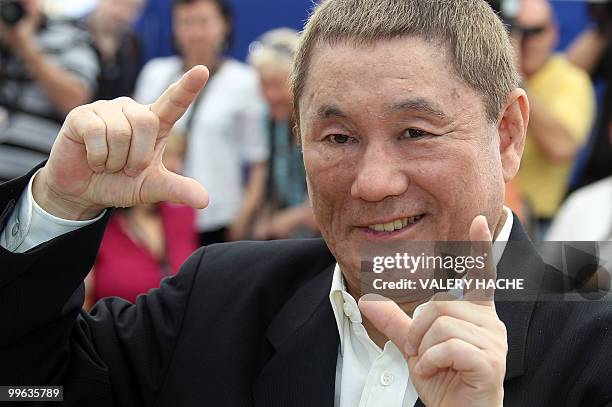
(15, 229)
(386, 379)
(348, 309)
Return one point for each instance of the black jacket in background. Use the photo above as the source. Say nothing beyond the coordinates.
(251, 324)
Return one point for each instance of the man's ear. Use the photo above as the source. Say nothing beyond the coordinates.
(512, 131)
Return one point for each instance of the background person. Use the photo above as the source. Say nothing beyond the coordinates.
(592, 51)
(286, 211)
(144, 244)
(118, 46)
(47, 68)
(225, 130)
(562, 104)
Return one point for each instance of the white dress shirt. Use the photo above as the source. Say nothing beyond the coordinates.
(30, 225)
(366, 376)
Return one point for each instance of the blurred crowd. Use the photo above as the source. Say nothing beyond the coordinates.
(238, 138)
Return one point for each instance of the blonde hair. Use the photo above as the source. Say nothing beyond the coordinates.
(479, 44)
(274, 48)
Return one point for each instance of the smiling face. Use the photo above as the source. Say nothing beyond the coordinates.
(393, 139)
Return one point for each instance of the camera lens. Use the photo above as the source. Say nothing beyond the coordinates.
(11, 12)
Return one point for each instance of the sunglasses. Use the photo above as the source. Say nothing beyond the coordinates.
(527, 32)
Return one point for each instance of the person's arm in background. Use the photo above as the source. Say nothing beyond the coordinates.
(283, 223)
(586, 50)
(64, 89)
(551, 135)
(255, 152)
(559, 128)
(252, 200)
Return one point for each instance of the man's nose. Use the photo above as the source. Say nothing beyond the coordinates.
(379, 176)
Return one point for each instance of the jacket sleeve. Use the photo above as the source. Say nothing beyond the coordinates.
(117, 355)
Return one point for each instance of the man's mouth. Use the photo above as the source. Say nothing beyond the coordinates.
(395, 225)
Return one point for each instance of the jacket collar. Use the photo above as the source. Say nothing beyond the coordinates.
(519, 261)
(304, 336)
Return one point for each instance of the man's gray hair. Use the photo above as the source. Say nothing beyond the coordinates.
(477, 40)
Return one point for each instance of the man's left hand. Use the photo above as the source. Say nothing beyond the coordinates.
(456, 350)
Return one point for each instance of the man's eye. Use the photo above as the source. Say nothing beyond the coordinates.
(415, 134)
(339, 139)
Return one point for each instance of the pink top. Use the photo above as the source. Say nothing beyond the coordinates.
(125, 268)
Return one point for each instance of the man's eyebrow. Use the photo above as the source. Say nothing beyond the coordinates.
(419, 105)
(328, 111)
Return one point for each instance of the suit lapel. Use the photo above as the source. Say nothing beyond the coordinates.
(519, 261)
(305, 337)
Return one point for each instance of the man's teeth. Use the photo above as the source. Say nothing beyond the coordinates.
(397, 224)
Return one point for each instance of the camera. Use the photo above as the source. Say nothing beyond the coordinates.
(11, 12)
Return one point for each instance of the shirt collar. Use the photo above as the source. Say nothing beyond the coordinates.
(345, 306)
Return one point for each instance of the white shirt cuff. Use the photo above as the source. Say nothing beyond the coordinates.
(30, 225)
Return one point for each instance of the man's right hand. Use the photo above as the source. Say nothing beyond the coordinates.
(109, 154)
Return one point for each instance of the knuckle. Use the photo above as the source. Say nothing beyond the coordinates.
(121, 135)
(442, 325)
(497, 364)
(138, 163)
(123, 100)
(179, 103)
(147, 121)
(95, 128)
(454, 346)
(438, 308)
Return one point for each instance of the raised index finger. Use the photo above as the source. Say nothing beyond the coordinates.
(175, 101)
(482, 288)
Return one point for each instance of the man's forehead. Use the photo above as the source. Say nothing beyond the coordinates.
(419, 80)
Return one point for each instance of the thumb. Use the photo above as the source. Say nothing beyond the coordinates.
(170, 187)
(389, 319)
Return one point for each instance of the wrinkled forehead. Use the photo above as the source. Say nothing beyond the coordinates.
(370, 78)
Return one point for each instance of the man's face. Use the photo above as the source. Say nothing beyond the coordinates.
(276, 90)
(392, 136)
(199, 28)
(538, 35)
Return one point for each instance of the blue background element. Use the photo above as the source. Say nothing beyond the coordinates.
(254, 17)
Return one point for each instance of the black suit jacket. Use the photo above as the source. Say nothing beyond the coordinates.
(251, 324)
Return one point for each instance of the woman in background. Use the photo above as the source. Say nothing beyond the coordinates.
(224, 128)
(117, 45)
(287, 212)
(143, 244)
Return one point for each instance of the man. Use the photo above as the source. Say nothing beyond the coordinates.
(592, 51)
(118, 46)
(562, 110)
(411, 121)
(47, 68)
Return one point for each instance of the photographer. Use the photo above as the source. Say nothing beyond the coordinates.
(47, 68)
(592, 51)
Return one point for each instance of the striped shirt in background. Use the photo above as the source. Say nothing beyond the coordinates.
(28, 121)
